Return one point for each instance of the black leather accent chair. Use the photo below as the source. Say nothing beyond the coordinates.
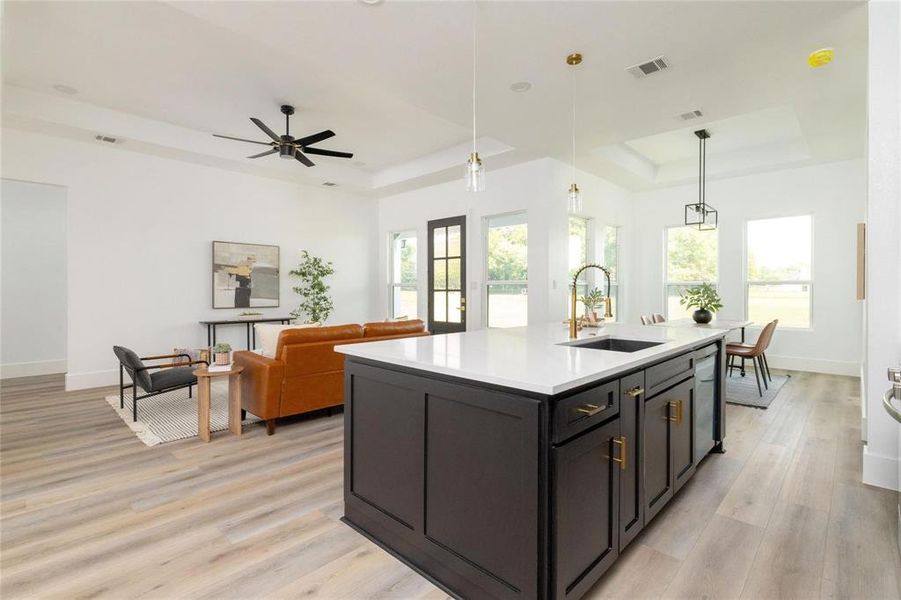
(168, 376)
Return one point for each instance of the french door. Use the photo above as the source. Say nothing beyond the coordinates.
(447, 275)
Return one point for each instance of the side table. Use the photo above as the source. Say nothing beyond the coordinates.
(204, 376)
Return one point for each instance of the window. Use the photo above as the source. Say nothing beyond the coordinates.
(402, 275)
(508, 273)
(779, 259)
(579, 243)
(690, 261)
(609, 246)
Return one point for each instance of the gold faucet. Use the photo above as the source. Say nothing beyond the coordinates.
(608, 312)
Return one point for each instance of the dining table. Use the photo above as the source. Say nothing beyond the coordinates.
(727, 324)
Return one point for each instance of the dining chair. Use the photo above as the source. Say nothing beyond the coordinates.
(658, 318)
(647, 319)
(757, 353)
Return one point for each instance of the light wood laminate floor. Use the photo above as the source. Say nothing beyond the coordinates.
(86, 510)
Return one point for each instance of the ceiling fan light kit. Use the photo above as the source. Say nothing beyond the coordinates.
(289, 147)
(701, 214)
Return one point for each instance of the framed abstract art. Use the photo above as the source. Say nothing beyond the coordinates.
(245, 275)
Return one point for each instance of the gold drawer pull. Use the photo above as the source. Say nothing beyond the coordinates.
(589, 409)
(635, 392)
(677, 405)
(621, 441)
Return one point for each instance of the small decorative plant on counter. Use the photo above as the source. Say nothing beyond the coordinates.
(221, 354)
(316, 304)
(703, 297)
(593, 299)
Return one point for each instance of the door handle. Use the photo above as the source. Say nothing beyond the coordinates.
(621, 442)
(677, 406)
(635, 392)
(590, 409)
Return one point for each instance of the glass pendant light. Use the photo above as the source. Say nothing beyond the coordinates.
(574, 194)
(475, 172)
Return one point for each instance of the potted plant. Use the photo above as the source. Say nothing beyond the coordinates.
(703, 297)
(592, 300)
(221, 354)
(316, 304)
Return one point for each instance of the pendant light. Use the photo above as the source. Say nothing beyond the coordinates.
(700, 213)
(574, 194)
(475, 172)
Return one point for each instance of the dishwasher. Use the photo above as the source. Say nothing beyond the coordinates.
(704, 401)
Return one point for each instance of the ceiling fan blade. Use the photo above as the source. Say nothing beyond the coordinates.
(268, 131)
(328, 153)
(303, 158)
(316, 137)
(267, 152)
(228, 137)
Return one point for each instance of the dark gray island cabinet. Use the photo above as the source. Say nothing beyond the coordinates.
(496, 492)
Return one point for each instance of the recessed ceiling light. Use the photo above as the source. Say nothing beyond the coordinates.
(521, 86)
(65, 89)
(371, 2)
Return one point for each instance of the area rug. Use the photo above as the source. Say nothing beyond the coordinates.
(173, 416)
(743, 390)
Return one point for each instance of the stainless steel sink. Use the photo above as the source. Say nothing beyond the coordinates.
(613, 344)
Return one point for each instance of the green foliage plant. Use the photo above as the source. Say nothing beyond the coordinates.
(316, 304)
(702, 297)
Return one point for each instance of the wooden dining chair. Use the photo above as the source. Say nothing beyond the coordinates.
(757, 353)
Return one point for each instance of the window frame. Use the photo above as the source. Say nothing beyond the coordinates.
(392, 236)
(614, 281)
(748, 283)
(666, 280)
(486, 288)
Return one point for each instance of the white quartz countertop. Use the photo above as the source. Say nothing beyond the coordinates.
(531, 358)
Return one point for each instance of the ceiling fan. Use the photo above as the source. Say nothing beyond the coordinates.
(289, 147)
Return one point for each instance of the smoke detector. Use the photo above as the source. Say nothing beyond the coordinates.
(649, 67)
(106, 139)
(692, 114)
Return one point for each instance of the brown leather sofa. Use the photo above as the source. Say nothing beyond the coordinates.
(306, 373)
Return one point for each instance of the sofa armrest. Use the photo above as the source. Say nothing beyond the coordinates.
(261, 383)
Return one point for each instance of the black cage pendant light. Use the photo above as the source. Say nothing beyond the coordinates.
(700, 213)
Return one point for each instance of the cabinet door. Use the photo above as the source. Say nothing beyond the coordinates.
(657, 462)
(586, 503)
(631, 500)
(681, 400)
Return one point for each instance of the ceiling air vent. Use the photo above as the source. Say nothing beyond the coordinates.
(688, 116)
(329, 184)
(106, 139)
(648, 68)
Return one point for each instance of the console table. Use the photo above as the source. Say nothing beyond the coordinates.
(251, 333)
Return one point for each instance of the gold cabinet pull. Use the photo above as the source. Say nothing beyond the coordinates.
(588, 409)
(621, 442)
(635, 392)
(677, 406)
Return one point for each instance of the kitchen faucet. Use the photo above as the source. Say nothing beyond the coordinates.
(608, 312)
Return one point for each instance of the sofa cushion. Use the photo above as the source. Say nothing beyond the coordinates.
(389, 328)
(267, 335)
(172, 377)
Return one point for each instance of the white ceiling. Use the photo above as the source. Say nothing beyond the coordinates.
(393, 80)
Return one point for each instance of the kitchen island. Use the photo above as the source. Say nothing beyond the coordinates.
(516, 463)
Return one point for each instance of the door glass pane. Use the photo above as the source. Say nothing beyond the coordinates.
(440, 238)
(439, 313)
(440, 271)
(453, 241)
(453, 274)
(454, 314)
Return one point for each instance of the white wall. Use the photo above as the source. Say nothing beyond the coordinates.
(538, 188)
(835, 194)
(139, 246)
(883, 305)
(33, 313)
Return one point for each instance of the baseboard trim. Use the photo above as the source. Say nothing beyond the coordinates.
(91, 379)
(30, 369)
(814, 365)
(881, 471)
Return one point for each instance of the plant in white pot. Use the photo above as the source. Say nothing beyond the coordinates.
(316, 305)
(593, 299)
(222, 354)
(703, 297)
